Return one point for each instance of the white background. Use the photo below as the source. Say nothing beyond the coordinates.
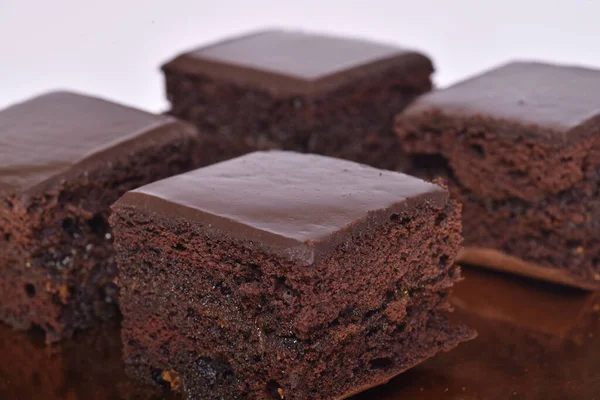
(113, 48)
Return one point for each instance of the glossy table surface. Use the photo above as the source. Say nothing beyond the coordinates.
(536, 342)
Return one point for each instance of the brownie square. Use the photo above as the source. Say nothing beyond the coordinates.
(64, 159)
(284, 275)
(297, 91)
(520, 147)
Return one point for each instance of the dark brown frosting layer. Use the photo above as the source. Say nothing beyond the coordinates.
(550, 101)
(285, 62)
(298, 205)
(60, 133)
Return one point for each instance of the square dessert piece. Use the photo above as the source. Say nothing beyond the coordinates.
(298, 91)
(283, 275)
(520, 147)
(64, 159)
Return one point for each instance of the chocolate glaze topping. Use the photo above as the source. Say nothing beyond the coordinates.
(554, 101)
(284, 62)
(51, 136)
(298, 205)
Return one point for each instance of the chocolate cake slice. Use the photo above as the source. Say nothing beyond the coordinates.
(283, 275)
(64, 159)
(297, 91)
(520, 147)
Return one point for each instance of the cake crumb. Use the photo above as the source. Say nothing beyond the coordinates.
(578, 219)
(579, 251)
(63, 293)
(172, 378)
(596, 307)
(396, 310)
(280, 391)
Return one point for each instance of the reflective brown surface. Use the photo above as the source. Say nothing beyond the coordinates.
(536, 341)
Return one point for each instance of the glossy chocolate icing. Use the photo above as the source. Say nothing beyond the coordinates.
(287, 62)
(549, 101)
(52, 136)
(299, 205)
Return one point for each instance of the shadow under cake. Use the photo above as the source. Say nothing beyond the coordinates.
(520, 148)
(297, 91)
(569, 305)
(64, 159)
(87, 367)
(285, 275)
(536, 341)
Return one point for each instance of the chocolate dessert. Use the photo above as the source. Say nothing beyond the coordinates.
(280, 275)
(520, 147)
(64, 159)
(297, 91)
